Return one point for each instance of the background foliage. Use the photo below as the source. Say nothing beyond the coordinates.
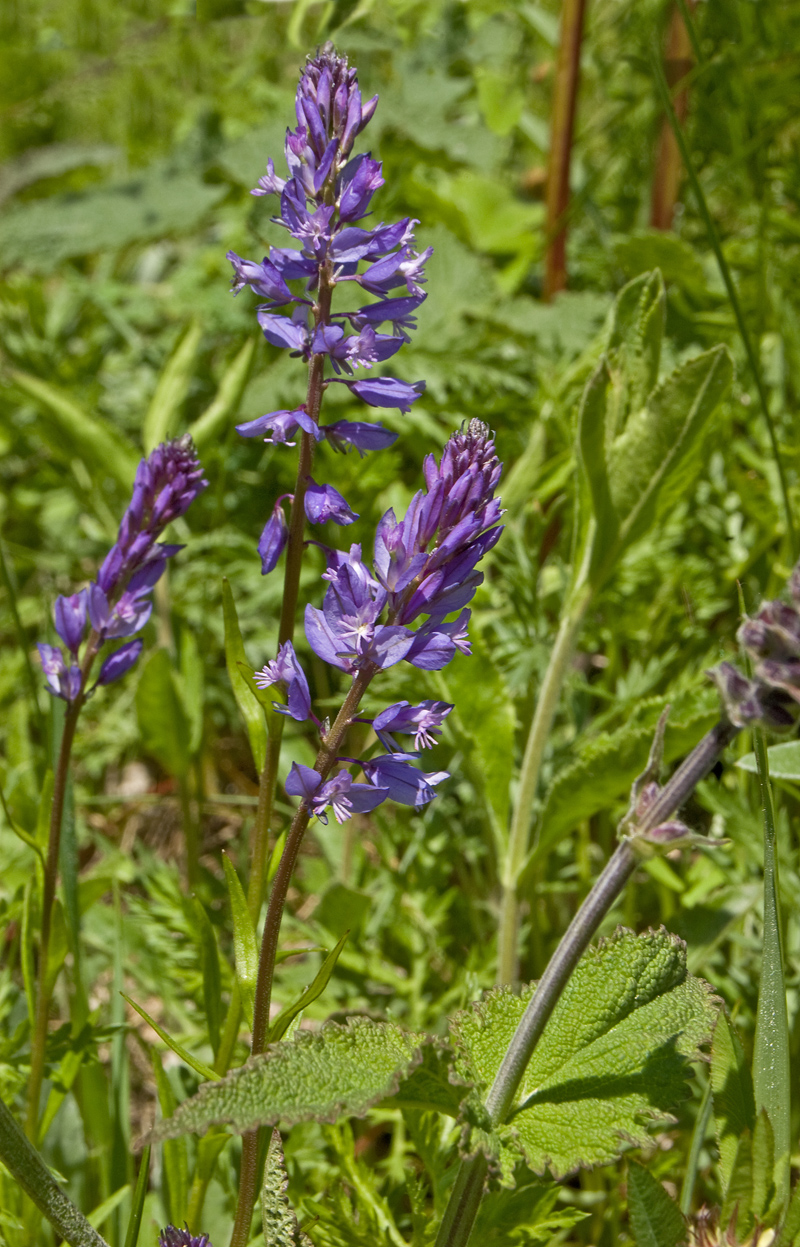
(131, 135)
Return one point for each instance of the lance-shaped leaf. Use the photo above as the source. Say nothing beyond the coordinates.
(245, 945)
(341, 1070)
(170, 393)
(612, 1059)
(734, 1103)
(655, 1219)
(280, 1223)
(162, 717)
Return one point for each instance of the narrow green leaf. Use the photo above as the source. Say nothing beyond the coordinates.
(95, 441)
(163, 722)
(176, 1161)
(655, 1219)
(613, 1055)
(244, 939)
(279, 1220)
(99, 1215)
(591, 439)
(192, 689)
(266, 697)
(226, 401)
(198, 1066)
(60, 1085)
(43, 815)
(763, 1167)
(58, 946)
(732, 1084)
(790, 1230)
(251, 711)
(162, 415)
(784, 761)
(29, 899)
(20, 831)
(137, 1208)
(314, 990)
(739, 1195)
(320, 1076)
(212, 976)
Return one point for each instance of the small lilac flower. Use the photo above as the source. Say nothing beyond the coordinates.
(359, 184)
(425, 720)
(63, 681)
(282, 425)
(286, 670)
(127, 615)
(340, 793)
(344, 433)
(70, 619)
(385, 391)
(323, 503)
(346, 632)
(120, 662)
(173, 1237)
(281, 331)
(273, 538)
(263, 279)
(405, 784)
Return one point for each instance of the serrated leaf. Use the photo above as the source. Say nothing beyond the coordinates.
(227, 399)
(245, 947)
(314, 990)
(732, 1084)
(171, 389)
(341, 1070)
(433, 1085)
(279, 1221)
(656, 1220)
(612, 1057)
(163, 722)
(251, 711)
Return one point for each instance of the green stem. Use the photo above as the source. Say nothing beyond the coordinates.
(727, 278)
(27, 1168)
(190, 834)
(519, 837)
(698, 1138)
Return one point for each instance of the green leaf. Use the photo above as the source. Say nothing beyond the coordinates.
(612, 1058)
(227, 399)
(784, 761)
(29, 907)
(763, 1167)
(732, 1084)
(314, 990)
(433, 1085)
(212, 977)
(162, 718)
(280, 1223)
(95, 441)
(58, 946)
(739, 1194)
(655, 1219)
(99, 1215)
(337, 1071)
(245, 947)
(198, 1066)
(192, 689)
(43, 811)
(137, 1208)
(162, 415)
(790, 1230)
(250, 709)
(176, 1161)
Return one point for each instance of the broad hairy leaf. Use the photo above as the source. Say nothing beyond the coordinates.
(280, 1223)
(338, 1071)
(162, 718)
(732, 1084)
(656, 1220)
(612, 1059)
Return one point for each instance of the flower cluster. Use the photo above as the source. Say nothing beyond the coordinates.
(118, 603)
(326, 192)
(424, 569)
(772, 641)
(173, 1237)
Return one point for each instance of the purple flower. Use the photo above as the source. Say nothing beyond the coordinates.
(340, 793)
(286, 670)
(273, 538)
(70, 618)
(346, 632)
(173, 1237)
(127, 615)
(120, 662)
(323, 503)
(263, 279)
(385, 391)
(424, 720)
(282, 425)
(63, 681)
(344, 433)
(405, 784)
(282, 331)
(360, 180)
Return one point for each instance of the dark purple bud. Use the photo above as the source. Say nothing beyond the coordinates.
(273, 538)
(405, 783)
(70, 617)
(120, 662)
(173, 1237)
(286, 670)
(669, 833)
(323, 503)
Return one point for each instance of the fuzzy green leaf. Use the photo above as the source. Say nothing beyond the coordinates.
(280, 1223)
(612, 1058)
(763, 1167)
(337, 1071)
(656, 1220)
(732, 1084)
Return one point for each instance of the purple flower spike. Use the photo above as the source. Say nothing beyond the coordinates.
(273, 538)
(425, 720)
(173, 1237)
(405, 783)
(286, 670)
(340, 793)
(70, 617)
(63, 681)
(323, 503)
(120, 662)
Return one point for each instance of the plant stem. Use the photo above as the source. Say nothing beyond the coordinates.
(667, 175)
(565, 98)
(331, 744)
(546, 706)
(39, 1037)
(465, 1200)
(27, 1168)
(727, 278)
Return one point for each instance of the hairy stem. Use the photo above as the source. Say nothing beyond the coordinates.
(458, 1220)
(517, 852)
(27, 1168)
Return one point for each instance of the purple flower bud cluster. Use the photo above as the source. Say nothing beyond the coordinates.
(173, 1237)
(328, 190)
(424, 570)
(118, 604)
(772, 641)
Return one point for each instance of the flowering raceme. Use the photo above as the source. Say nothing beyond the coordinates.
(118, 603)
(424, 569)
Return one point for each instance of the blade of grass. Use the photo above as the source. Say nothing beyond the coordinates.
(733, 296)
(137, 1208)
(312, 992)
(199, 1067)
(693, 1161)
